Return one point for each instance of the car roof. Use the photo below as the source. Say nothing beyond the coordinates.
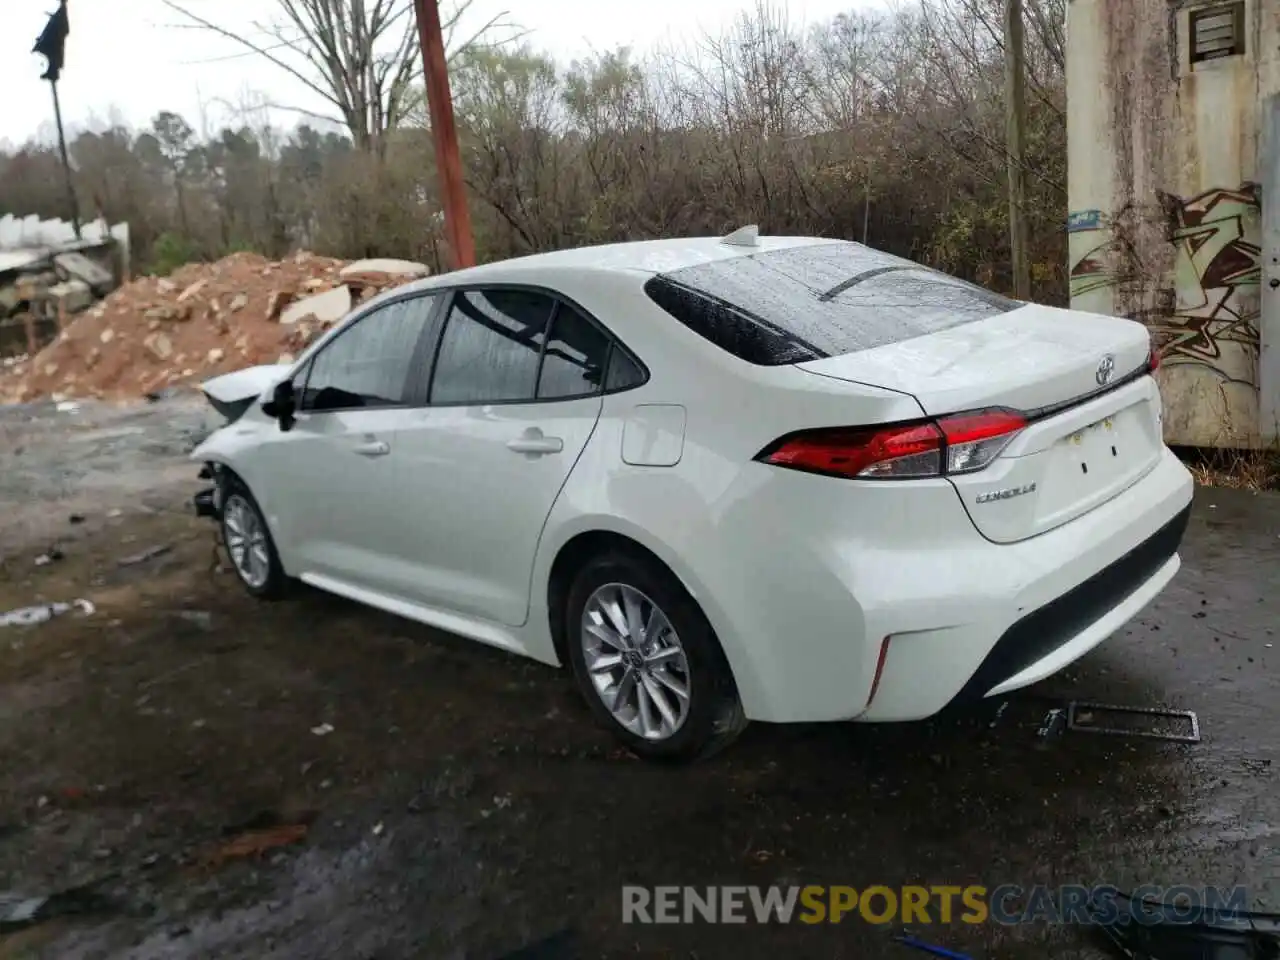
(642, 256)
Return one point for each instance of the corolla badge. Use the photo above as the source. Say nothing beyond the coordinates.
(1007, 494)
(1106, 368)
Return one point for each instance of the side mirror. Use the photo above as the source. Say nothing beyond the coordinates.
(282, 405)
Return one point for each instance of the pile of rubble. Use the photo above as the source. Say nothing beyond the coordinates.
(203, 320)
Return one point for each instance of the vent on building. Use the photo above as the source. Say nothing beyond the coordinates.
(1217, 32)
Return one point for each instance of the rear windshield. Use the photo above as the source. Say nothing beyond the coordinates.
(824, 300)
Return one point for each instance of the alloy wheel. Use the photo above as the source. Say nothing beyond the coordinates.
(635, 661)
(246, 538)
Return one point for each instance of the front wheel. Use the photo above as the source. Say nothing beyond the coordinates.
(249, 546)
(648, 662)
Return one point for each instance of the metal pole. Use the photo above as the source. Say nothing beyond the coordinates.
(1015, 118)
(453, 190)
(66, 163)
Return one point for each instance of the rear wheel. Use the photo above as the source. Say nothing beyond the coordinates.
(648, 662)
(250, 548)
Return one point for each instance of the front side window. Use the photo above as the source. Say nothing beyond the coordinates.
(490, 348)
(369, 364)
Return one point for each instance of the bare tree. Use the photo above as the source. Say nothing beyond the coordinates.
(360, 57)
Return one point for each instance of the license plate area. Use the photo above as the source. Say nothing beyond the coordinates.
(1108, 448)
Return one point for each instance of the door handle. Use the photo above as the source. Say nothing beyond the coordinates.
(375, 448)
(536, 445)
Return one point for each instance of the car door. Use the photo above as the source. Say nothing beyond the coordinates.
(514, 396)
(334, 471)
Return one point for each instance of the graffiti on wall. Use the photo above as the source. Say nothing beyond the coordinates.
(1103, 255)
(1217, 274)
(1209, 317)
(1093, 250)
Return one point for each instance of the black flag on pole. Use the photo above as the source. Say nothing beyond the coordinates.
(53, 41)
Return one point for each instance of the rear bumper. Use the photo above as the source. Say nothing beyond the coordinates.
(1043, 642)
(956, 616)
(1066, 591)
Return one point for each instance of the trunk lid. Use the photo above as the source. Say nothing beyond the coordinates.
(1027, 359)
(1095, 419)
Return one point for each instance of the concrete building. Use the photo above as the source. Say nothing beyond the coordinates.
(1174, 196)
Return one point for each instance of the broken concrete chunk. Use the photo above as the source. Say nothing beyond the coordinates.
(72, 296)
(386, 267)
(192, 290)
(239, 302)
(79, 267)
(330, 306)
(107, 335)
(158, 345)
(165, 285)
(279, 299)
(214, 355)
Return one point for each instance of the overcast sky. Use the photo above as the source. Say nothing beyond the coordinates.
(126, 60)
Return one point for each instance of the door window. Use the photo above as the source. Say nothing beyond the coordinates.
(574, 361)
(490, 347)
(369, 364)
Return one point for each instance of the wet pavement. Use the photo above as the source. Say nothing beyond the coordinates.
(463, 805)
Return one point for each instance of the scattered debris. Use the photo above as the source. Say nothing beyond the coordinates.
(323, 730)
(999, 713)
(149, 554)
(254, 843)
(1083, 718)
(1052, 724)
(76, 518)
(18, 910)
(917, 944)
(378, 828)
(30, 616)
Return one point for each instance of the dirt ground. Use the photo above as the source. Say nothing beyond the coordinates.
(462, 804)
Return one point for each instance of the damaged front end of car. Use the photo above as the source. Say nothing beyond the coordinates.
(232, 395)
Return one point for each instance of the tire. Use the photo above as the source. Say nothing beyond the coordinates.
(712, 716)
(239, 515)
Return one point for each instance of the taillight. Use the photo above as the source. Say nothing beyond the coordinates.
(1153, 360)
(961, 443)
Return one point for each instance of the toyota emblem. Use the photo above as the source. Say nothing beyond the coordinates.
(1106, 367)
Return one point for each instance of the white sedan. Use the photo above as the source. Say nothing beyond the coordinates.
(769, 478)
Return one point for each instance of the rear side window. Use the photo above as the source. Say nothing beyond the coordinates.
(624, 373)
(490, 347)
(573, 364)
(823, 300)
